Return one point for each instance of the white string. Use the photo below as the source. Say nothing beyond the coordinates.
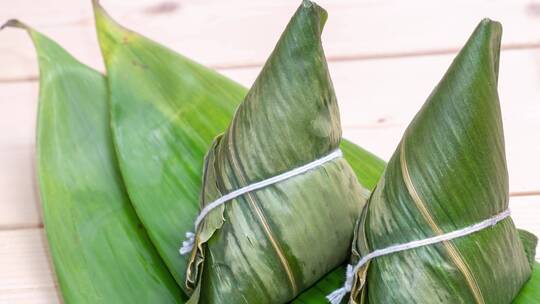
(337, 296)
(187, 245)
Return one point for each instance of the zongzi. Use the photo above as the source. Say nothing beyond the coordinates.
(448, 182)
(295, 221)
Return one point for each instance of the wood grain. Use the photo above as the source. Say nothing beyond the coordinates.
(26, 275)
(19, 200)
(237, 33)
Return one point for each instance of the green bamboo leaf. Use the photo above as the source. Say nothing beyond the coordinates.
(448, 172)
(166, 110)
(100, 251)
(367, 167)
(530, 293)
(318, 292)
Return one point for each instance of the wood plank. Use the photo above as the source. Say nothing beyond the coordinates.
(26, 275)
(377, 98)
(40, 295)
(525, 211)
(245, 31)
(18, 109)
(19, 199)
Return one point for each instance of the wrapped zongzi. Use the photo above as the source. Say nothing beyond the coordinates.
(448, 182)
(270, 242)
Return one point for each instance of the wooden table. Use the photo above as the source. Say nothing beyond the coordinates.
(385, 58)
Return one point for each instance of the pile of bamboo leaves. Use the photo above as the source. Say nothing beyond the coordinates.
(120, 163)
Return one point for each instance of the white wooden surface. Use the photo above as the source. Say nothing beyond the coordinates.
(385, 58)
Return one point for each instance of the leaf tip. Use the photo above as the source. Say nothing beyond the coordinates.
(109, 31)
(99, 11)
(14, 23)
(96, 4)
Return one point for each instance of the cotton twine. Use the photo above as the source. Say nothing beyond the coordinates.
(337, 296)
(188, 243)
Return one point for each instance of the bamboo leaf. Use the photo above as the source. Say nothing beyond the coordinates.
(100, 251)
(166, 110)
(448, 172)
(530, 293)
(318, 292)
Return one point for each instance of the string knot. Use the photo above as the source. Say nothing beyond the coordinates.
(337, 296)
(188, 244)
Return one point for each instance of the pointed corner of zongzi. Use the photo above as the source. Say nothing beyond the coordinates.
(490, 26)
(293, 95)
(470, 82)
(462, 115)
(484, 46)
(303, 32)
(493, 30)
(310, 9)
